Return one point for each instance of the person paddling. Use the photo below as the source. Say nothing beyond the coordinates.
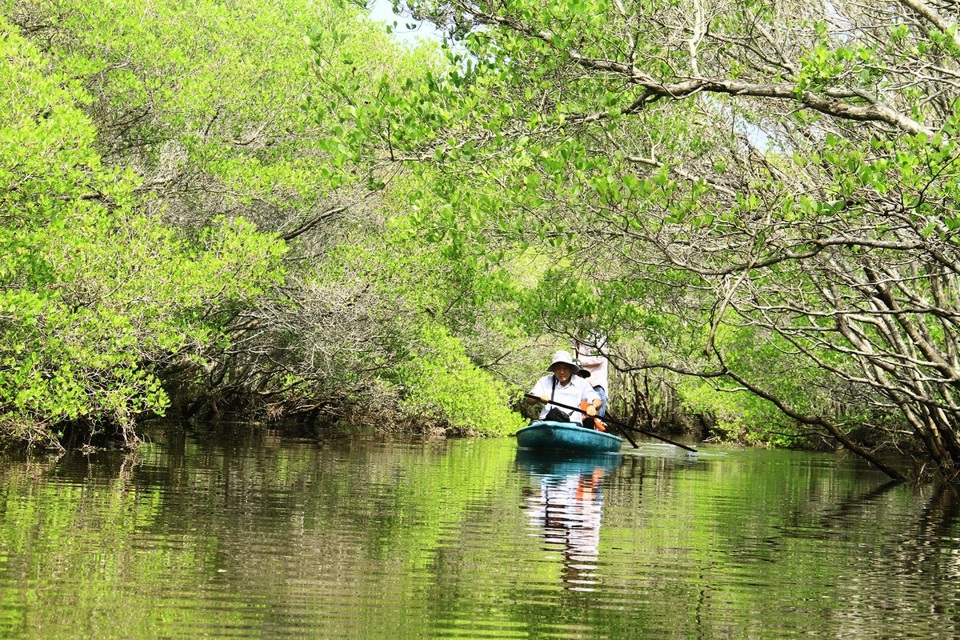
(565, 388)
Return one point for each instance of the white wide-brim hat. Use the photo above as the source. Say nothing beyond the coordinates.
(563, 357)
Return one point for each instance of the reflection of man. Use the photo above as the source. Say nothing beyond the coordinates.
(592, 356)
(568, 509)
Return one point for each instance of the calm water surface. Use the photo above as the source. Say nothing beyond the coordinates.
(256, 535)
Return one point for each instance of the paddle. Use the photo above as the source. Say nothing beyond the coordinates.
(623, 427)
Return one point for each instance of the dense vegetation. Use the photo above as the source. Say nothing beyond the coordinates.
(281, 211)
(175, 230)
(763, 193)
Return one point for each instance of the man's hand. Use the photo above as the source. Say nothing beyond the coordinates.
(591, 410)
(529, 398)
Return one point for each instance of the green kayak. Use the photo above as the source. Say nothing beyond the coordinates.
(544, 435)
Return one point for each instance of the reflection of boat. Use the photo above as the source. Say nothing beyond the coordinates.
(559, 463)
(566, 436)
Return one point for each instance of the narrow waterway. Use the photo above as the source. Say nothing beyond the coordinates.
(250, 534)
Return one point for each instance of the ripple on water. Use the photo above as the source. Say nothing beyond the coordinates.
(471, 540)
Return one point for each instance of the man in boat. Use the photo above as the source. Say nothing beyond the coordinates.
(592, 358)
(566, 388)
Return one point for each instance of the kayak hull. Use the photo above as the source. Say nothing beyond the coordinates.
(544, 435)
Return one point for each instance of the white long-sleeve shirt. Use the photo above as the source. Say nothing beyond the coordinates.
(570, 394)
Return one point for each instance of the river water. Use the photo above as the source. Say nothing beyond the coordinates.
(248, 533)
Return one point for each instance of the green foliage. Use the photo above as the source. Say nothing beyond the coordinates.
(739, 416)
(437, 321)
(532, 178)
(445, 384)
(212, 104)
(196, 116)
(92, 289)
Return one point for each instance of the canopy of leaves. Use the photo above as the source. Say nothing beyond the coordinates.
(185, 224)
(788, 167)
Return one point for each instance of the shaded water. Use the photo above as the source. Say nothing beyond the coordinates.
(253, 535)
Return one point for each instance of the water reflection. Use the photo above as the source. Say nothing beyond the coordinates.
(565, 505)
(253, 535)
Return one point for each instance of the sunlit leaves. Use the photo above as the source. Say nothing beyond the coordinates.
(94, 290)
(445, 382)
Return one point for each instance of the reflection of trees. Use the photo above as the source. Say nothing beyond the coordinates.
(568, 509)
(883, 548)
(935, 532)
(855, 505)
(918, 560)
